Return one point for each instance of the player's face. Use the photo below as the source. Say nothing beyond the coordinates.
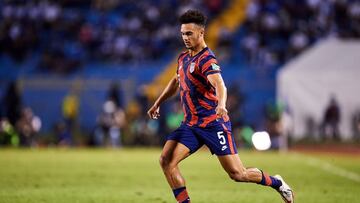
(192, 35)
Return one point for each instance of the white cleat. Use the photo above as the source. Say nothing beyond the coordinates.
(285, 191)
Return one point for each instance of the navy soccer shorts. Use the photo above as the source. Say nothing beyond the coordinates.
(217, 138)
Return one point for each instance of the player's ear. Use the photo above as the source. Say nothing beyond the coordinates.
(202, 31)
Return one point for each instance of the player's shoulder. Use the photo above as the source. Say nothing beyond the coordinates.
(208, 54)
(207, 57)
(182, 54)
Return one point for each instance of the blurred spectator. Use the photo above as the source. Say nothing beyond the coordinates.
(12, 103)
(274, 125)
(109, 125)
(145, 131)
(331, 120)
(250, 44)
(224, 44)
(112, 120)
(28, 126)
(70, 108)
(115, 95)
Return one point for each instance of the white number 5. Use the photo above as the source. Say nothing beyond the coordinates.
(221, 137)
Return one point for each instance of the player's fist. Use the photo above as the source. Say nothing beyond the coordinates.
(221, 111)
(154, 112)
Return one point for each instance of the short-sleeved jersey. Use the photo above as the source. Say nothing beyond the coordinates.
(198, 97)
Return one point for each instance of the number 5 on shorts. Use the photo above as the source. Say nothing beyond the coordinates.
(221, 137)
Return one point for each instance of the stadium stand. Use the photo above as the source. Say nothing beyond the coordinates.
(48, 45)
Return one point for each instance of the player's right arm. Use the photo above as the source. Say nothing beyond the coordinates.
(170, 90)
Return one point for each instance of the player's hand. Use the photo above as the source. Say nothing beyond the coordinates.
(221, 111)
(154, 112)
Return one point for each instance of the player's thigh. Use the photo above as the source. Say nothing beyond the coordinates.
(173, 152)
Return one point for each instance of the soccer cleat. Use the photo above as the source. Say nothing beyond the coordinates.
(285, 191)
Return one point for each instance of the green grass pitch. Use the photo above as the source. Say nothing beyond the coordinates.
(134, 176)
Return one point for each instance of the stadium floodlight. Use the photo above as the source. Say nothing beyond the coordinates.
(261, 140)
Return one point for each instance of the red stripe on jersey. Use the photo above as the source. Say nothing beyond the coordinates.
(198, 63)
(210, 95)
(207, 64)
(182, 82)
(229, 139)
(204, 104)
(203, 55)
(194, 119)
(207, 120)
(183, 106)
(182, 55)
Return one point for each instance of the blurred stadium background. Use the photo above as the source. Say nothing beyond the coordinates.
(82, 73)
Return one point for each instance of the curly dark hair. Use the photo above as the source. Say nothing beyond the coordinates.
(193, 16)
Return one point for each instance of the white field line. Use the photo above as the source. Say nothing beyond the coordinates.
(330, 168)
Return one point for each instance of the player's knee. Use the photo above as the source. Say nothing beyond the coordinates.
(164, 162)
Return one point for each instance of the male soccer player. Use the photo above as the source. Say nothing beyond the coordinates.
(203, 97)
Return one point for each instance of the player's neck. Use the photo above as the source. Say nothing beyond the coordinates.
(197, 49)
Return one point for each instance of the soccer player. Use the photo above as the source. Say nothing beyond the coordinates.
(203, 97)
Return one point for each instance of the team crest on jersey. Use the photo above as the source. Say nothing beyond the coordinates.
(215, 66)
(192, 67)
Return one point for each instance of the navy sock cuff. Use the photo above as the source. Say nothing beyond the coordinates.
(177, 191)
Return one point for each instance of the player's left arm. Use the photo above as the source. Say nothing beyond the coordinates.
(221, 93)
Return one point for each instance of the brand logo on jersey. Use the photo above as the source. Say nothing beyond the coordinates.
(215, 66)
(180, 67)
(192, 67)
(223, 148)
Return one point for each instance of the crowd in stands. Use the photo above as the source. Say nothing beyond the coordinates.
(276, 31)
(67, 33)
